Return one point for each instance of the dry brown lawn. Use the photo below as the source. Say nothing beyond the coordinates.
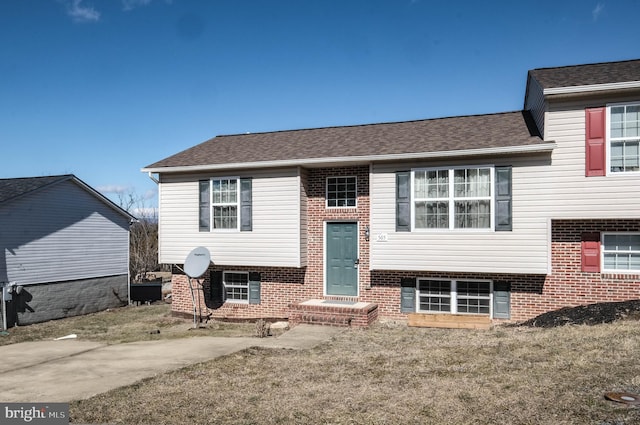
(392, 374)
(124, 324)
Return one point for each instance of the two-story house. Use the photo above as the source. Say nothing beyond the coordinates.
(504, 215)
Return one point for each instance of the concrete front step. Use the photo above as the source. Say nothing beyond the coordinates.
(333, 313)
(450, 321)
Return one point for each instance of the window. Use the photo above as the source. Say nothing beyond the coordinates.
(458, 198)
(473, 297)
(624, 138)
(621, 252)
(225, 204)
(434, 295)
(236, 287)
(454, 296)
(341, 192)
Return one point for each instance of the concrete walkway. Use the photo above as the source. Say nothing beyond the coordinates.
(61, 371)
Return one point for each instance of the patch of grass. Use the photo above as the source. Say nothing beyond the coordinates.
(391, 374)
(125, 324)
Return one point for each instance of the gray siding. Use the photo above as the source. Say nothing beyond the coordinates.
(61, 233)
(39, 303)
(275, 239)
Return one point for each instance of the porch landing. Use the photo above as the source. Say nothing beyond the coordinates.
(333, 313)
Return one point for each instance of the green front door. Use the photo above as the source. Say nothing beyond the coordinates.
(342, 258)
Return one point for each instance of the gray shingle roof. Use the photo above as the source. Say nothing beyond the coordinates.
(13, 188)
(582, 75)
(508, 129)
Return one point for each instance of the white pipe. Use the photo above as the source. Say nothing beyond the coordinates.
(156, 181)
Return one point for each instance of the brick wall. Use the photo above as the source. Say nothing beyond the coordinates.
(567, 285)
(280, 286)
(318, 214)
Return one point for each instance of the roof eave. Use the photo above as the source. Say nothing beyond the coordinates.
(310, 162)
(591, 88)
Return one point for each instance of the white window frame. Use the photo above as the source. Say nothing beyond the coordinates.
(231, 285)
(603, 251)
(451, 199)
(223, 204)
(609, 140)
(355, 178)
(453, 296)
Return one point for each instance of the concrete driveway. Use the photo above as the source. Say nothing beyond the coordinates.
(66, 370)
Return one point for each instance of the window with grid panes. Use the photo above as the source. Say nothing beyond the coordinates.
(624, 138)
(236, 286)
(341, 192)
(454, 296)
(457, 198)
(621, 252)
(225, 203)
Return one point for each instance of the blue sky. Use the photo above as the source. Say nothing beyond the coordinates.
(102, 88)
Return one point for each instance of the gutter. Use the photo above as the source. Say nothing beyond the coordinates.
(542, 147)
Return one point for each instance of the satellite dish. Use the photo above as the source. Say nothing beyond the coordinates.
(197, 262)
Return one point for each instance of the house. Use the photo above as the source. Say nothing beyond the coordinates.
(64, 249)
(502, 216)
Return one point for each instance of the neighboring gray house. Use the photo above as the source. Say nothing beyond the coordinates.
(64, 249)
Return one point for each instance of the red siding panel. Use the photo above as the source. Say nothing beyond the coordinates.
(595, 142)
(590, 252)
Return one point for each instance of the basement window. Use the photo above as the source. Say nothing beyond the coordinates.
(236, 287)
(621, 252)
(454, 296)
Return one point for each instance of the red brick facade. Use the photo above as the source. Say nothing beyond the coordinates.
(531, 295)
(567, 285)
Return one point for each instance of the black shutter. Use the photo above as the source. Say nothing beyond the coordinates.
(503, 216)
(403, 201)
(407, 295)
(245, 205)
(254, 287)
(501, 300)
(217, 296)
(205, 205)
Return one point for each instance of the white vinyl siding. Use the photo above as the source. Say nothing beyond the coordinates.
(522, 250)
(276, 231)
(61, 233)
(565, 192)
(304, 208)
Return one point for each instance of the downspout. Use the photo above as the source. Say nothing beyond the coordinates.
(155, 180)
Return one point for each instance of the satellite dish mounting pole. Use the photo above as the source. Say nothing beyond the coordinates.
(196, 263)
(193, 302)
